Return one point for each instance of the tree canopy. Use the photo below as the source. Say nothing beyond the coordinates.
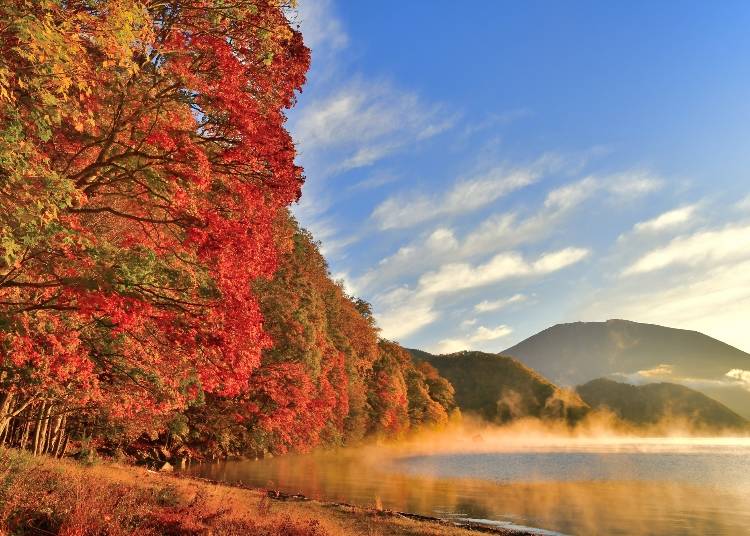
(145, 175)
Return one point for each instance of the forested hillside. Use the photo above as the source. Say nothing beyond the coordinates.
(660, 403)
(327, 379)
(500, 389)
(153, 290)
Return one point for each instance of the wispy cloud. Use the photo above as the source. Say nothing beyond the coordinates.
(633, 184)
(493, 120)
(376, 180)
(486, 306)
(498, 232)
(481, 335)
(710, 246)
(509, 230)
(742, 376)
(363, 122)
(404, 311)
(707, 288)
(668, 220)
(319, 26)
(347, 120)
(661, 370)
(665, 372)
(464, 196)
(461, 276)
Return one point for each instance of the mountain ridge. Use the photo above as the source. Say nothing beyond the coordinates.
(578, 352)
(660, 403)
(500, 388)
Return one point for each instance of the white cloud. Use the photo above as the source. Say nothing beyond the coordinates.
(363, 122)
(744, 203)
(404, 311)
(353, 112)
(366, 156)
(571, 195)
(742, 376)
(660, 371)
(319, 26)
(665, 372)
(712, 300)
(401, 312)
(496, 232)
(491, 334)
(551, 262)
(508, 230)
(345, 279)
(481, 335)
(449, 346)
(376, 180)
(495, 119)
(486, 306)
(668, 220)
(460, 276)
(633, 184)
(465, 196)
(711, 246)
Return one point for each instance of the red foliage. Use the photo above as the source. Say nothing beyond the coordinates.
(138, 284)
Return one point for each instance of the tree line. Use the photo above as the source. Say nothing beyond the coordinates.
(153, 287)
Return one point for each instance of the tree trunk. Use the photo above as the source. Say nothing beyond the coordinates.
(45, 426)
(38, 429)
(61, 451)
(59, 433)
(52, 433)
(25, 435)
(5, 413)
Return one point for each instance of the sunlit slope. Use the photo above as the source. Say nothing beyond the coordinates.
(660, 402)
(501, 389)
(575, 353)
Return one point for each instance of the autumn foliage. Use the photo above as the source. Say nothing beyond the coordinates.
(327, 380)
(145, 172)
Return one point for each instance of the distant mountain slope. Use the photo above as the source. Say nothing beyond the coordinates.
(650, 403)
(571, 354)
(501, 389)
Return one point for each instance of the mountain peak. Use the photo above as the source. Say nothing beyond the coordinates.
(577, 352)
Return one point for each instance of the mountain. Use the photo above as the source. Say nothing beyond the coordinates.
(575, 353)
(501, 389)
(654, 402)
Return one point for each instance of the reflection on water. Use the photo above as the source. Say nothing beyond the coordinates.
(700, 489)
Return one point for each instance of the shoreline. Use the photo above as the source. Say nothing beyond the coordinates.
(485, 526)
(49, 496)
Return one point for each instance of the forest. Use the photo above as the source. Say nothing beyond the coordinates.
(157, 297)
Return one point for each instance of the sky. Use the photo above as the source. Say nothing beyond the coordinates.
(481, 172)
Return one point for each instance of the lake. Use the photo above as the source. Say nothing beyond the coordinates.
(645, 486)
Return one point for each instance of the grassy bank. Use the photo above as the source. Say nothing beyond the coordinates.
(42, 496)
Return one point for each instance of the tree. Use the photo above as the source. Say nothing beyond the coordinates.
(143, 161)
(327, 379)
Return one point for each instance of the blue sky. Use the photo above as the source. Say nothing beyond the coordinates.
(481, 172)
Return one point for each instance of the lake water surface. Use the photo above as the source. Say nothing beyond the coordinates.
(635, 487)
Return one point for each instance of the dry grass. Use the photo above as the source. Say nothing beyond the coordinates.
(40, 496)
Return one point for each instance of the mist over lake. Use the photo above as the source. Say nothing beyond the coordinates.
(645, 486)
